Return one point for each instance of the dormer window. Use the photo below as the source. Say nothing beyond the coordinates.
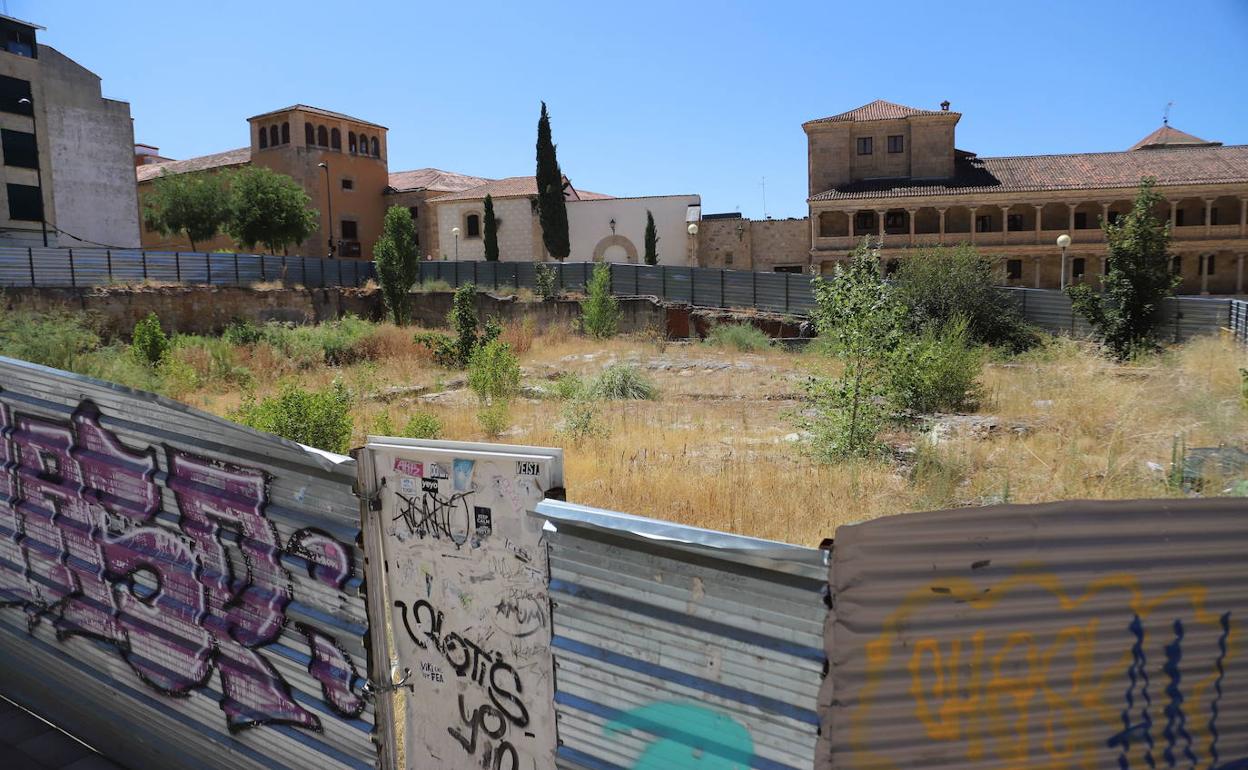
(864, 145)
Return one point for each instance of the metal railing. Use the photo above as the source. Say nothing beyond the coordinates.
(99, 267)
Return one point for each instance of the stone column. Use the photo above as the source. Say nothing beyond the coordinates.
(910, 215)
(973, 224)
(1039, 220)
(1070, 227)
(1209, 216)
(1005, 222)
(1243, 217)
(850, 216)
(1174, 215)
(1105, 212)
(941, 238)
(880, 216)
(1036, 261)
(1239, 274)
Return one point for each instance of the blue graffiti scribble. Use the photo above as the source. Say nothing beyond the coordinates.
(688, 736)
(1176, 720)
(1217, 687)
(1137, 673)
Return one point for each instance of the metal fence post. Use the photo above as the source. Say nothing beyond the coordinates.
(786, 293)
(237, 279)
(109, 254)
(723, 301)
(208, 267)
(144, 256)
(693, 286)
(177, 265)
(72, 280)
(340, 272)
(30, 255)
(754, 286)
(663, 282)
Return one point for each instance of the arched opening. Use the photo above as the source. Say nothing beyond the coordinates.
(1226, 211)
(1055, 216)
(957, 222)
(1190, 212)
(833, 224)
(309, 134)
(376, 147)
(274, 138)
(322, 136)
(472, 226)
(1088, 216)
(264, 137)
(285, 133)
(926, 222)
(615, 248)
(335, 139)
(351, 141)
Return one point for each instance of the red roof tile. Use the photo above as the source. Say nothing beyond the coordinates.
(238, 157)
(1168, 136)
(879, 110)
(433, 179)
(513, 187)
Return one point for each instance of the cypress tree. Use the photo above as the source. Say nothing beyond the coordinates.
(491, 231)
(652, 240)
(552, 213)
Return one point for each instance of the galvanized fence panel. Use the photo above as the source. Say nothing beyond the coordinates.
(1239, 321)
(1072, 634)
(176, 589)
(680, 647)
(652, 281)
(739, 289)
(801, 295)
(707, 288)
(772, 292)
(1193, 316)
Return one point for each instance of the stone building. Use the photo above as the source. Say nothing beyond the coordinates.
(339, 160)
(68, 178)
(732, 242)
(894, 173)
(415, 189)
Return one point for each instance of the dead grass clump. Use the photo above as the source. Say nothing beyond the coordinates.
(388, 342)
(519, 335)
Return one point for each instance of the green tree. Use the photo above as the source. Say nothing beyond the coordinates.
(652, 240)
(552, 211)
(269, 208)
(196, 204)
(398, 264)
(1138, 278)
(863, 320)
(600, 313)
(490, 235)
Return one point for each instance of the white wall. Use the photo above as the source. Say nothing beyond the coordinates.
(515, 229)
(589, 224)
(91, 141)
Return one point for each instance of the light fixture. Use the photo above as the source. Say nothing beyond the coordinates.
(1063, 241)
(740, 229)
(693, 228)
(455, 232)
(611, 224)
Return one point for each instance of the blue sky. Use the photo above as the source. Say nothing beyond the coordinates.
(662, 97)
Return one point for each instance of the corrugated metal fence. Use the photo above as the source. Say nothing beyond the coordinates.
(679, 647)
(176, 589)
(790, 293)
(98, 267)
(1239, 321)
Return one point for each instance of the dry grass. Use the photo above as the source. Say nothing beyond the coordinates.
(717, 450)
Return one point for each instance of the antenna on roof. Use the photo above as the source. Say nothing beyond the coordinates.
(1165, 118)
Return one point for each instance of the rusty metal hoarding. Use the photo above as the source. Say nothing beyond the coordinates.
(678, 647)
(175, 589)
(1067, 635)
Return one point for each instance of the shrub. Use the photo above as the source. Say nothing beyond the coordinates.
(398, 262)
(115, 364)
(938, 284)
(336, 343)
(318, 418)
(494, 372)
(423, 425)
(623, 382)
(242, 332)
(56, 339)
(520, 335)
(382, 426)
(455, 351)
(569, 386)
(600, 313)
(580, 421)
(938, 371)
(494, 418)
(432, 285)
(544, 277)
(193, 362)
(742, 337)
(148, 341)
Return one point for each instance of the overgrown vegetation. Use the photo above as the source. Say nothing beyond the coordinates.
(600, 312)
(398, 264)
(455, 351)
(1138, 277)
(742, 337)
(194, 204)
(937, 370)
(545, 278)
(269, 209)
(148, 342)
(320, 418)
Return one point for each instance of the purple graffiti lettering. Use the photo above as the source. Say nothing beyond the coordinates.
(329, 561)
(331, 666)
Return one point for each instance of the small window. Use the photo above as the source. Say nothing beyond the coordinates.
(322, 136)
(788, 268)
(1014, 269)
(727, 257)
(335, 139)
(348, 184)
(25, 203)
(864, 221)
(864, 145)
(309, 134)
(274, 137)
(1176, 264)
(895, 219)
(376, 147)
(285, 133)
(1081, 220)
(415, 212)
(1209, 261)
(1078, 266)
(351, 141)
(896, 143)
(19, 149)
(983, 223)
(1015, 222)
(12, 91)
(264, 137)
(472, 226)
(1178, 218)
(350, 230)
(363, 144)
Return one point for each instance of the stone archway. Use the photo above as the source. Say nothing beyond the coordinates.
(615, 243)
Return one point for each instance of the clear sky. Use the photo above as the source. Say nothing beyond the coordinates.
(651, 98)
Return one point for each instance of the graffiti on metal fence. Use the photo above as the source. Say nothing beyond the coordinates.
(1141, 689)
(81, 548)
(686, 735)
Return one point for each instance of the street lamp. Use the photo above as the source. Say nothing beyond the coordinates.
(693, 239)
(455, 232)
(1063, 241)
(34, 133)
(329, 207)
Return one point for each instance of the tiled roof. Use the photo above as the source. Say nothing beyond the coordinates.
(1087, 171)
(317, 111)
(217, 160)
(879, 110)
(433, 179)
(1168, 136)
(513, 187)
(586, 195)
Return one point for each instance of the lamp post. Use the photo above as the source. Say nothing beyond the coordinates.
(455, 232)
(693, 239)
(34, 133)
(329, 207)
(1063, 241)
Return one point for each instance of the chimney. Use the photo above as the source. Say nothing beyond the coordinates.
(944, 106)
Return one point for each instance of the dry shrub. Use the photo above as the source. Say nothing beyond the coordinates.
(519, 335)
(390, 342)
